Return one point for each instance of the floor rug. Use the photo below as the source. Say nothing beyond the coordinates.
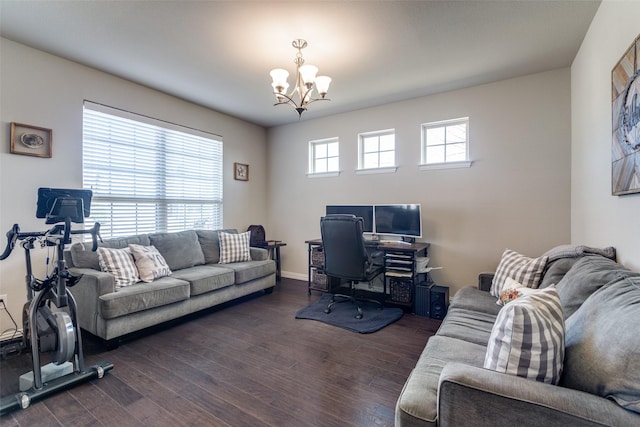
(342, 315)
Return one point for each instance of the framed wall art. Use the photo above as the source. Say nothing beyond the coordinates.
(30, 140)
(625, 109)
(241, 172)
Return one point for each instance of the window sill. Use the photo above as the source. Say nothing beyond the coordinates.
(323, 174)
(392, 169)
(449, 165)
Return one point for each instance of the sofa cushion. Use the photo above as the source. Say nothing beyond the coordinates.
(210, 244)
(556, 270)
(143, 296)
(417, 404)
(149, 262)
(475, 299)
(603, 344)
(527, 339)
(83, 257)
(206, 278)
(468, 325)
(522, 269)
(180, 250)
(586, 276)
(247, 271)
(119, 263)
(234, 247)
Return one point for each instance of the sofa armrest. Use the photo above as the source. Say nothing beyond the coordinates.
(472, 396)
(484, 281)
(87, 294)
(259, 254)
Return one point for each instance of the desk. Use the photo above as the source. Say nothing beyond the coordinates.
(400, 272)
(273, 246)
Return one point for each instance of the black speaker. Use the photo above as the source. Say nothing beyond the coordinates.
(439, 300)
(423, 299)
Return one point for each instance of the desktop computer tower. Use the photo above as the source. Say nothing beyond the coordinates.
(439, 302)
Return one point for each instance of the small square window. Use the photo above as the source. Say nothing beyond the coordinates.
(446, 141)
(377, 149)
(324, 156)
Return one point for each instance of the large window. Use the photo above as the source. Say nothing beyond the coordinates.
(149, 176)
(377, 149)
(446, 142)
(324, 156)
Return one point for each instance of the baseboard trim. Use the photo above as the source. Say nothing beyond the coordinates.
(296, 276)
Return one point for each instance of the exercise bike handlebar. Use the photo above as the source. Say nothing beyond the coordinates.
(15, 234)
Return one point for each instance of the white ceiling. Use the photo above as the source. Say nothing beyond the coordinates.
(219, 53)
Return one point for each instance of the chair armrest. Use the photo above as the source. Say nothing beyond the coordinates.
(472, 396)
(87, 292)
(484, 281)
(259, 254)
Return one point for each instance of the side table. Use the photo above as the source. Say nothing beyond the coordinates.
(273, 246)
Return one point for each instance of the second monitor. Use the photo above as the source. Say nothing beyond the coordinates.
(363, 211)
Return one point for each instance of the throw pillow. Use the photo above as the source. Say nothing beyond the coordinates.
(527, 339)
(524, 270)
(118, 262)
(234, 247)
(149, 262)
(603, 344)
(513, 290)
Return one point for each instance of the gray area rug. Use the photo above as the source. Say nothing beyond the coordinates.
(342, 315)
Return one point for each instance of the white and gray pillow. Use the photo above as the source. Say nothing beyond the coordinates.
(527, 339)
(118, 262)
(234, 247)
(150, 263)
(522, 269)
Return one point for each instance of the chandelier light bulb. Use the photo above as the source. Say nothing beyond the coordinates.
(308, 74)
(322, 85)
(279, 77)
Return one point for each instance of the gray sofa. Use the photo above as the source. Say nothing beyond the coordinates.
(600, 383)
(197, 282)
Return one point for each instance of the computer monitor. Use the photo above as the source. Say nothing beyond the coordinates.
(57, 204)
(398, 220)
(363, 211)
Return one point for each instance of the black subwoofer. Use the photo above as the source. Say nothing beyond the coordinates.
(439, 300)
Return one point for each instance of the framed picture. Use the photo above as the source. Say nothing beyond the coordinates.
(625, 108)
(241, 172)
(30, 140)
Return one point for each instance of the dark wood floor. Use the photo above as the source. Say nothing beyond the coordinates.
(248, 364)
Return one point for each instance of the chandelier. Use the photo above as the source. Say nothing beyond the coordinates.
(302, 93)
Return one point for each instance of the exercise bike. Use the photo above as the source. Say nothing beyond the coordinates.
(44, 329)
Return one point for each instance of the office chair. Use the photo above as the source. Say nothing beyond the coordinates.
(345, 256)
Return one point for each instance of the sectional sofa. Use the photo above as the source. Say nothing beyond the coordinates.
(197, 281)
(599, 381)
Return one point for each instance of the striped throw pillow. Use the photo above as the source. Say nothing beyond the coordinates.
(527, 339)
(234, 247)
(119, 262)
(522, 269)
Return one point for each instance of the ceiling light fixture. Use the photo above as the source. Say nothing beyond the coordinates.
(302, 93)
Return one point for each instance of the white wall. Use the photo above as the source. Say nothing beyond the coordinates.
(44, 90)
(516, 194)
(597, 217)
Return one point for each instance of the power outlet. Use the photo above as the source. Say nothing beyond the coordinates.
(3, 299)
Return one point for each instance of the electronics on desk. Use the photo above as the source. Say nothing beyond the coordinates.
(393, 220)
(404, 221)
(363, 211)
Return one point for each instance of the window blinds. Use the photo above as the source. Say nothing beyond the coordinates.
(149, 176)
